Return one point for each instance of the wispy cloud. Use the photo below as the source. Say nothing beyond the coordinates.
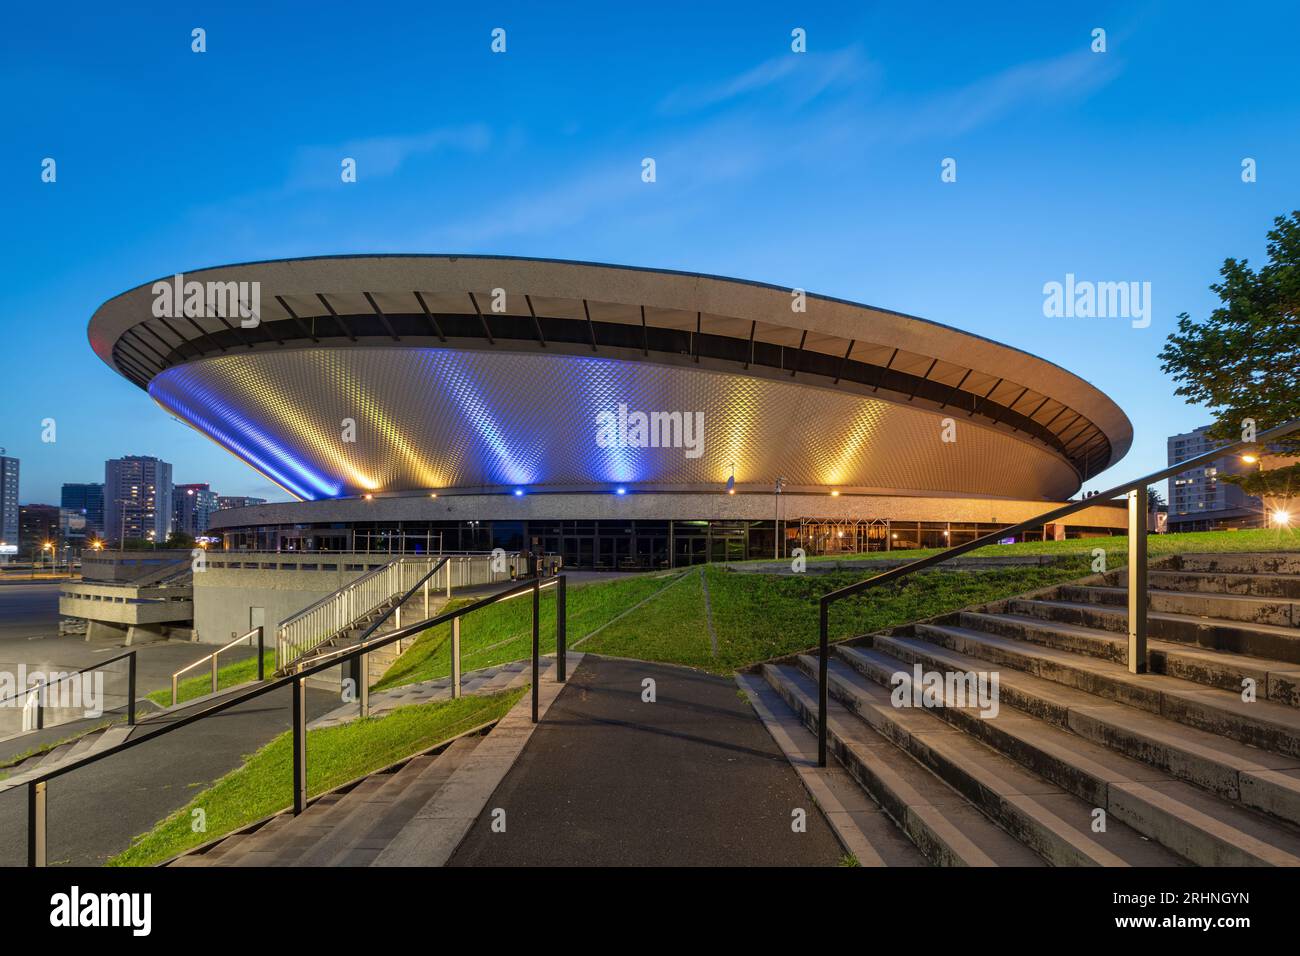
(380, 156)
(1069, 77)
(798, 77)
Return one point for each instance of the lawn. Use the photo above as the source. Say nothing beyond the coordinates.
(503, 632)
(1158, 545)
(238, 672)
(335, 755)
(681, 616)
(755, 617)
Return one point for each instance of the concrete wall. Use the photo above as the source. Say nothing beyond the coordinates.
(237, 590)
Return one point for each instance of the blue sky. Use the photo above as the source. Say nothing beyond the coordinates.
(819, 170)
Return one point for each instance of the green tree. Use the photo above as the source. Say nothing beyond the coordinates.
(1244, 360)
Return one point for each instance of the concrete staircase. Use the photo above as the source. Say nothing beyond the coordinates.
(381, 658)
(412, 813)
(63, 753)
(1185, 770)
(346, 827)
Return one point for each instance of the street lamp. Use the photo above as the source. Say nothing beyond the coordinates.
(776, 523)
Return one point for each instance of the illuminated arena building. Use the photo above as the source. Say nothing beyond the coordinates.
(618, 417)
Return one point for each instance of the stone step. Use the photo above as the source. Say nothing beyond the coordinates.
(1260, 563)
(1256, 778)
(1263, 723)
(1274, 680)
(1257, 640)
(860, 824)
(1173, 816)
(1039, 813)
(1253, 585)
(267, 839)
(387, 820)
(1224, 607)
(83, 746)
(285, 844)
(329, 832)
(943, 824)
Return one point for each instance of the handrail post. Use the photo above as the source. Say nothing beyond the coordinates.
(40, 707)
(174, 681)
(823, 651)
(214, 673)
(561, 632)
(537, 593)
(1137, 580)
(363, 684)
(455, 657)
(261, 653)
(36, 846)
(299, 747)
(130, 690)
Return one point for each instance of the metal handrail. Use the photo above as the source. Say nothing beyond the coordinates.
(323, 621)
(1135, 493)
(40, 706)
(257, 631)
(363, 678)
(37, 785)
(373, 572)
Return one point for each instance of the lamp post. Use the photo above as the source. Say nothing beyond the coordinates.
(776, 520)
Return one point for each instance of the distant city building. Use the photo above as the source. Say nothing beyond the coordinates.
(72, 528)
(1198, 499)
(86, 499)
(137, 499)
(38, 526)
(192, 506)
(237, 501)
(8, 507)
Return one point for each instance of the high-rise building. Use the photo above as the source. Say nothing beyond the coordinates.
(237, 501)
(86, 499)
(192, 506)
(40, 531)
(137, 499)
(1198, 499)
(8, 506)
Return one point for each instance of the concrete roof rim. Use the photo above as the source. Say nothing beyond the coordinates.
(1103, 411)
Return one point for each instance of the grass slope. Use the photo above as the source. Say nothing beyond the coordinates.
(335, 755)
(504, 632)
(239, 672)
(756, 617)
(1158, 545)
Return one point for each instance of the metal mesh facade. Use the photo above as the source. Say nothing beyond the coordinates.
(443, 418)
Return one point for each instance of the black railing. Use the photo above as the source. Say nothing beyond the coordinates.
(39, 688)
(37, 786)
(1135, 492)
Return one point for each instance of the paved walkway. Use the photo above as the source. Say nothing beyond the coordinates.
(606, 779)
(488, 680)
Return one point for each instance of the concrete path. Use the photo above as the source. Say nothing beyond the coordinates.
(691, 779)
(487, 680)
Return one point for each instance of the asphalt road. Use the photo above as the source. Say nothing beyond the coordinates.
(29, 634)
(94, 812)
(692, 779)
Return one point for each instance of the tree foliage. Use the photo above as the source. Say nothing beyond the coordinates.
(1244, 360)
